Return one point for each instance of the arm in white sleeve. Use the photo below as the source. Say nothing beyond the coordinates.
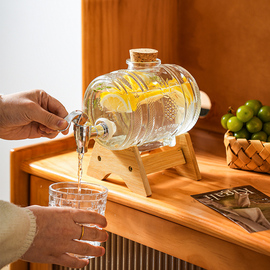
(17, 232)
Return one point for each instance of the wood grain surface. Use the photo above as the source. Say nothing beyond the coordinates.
(171, 194)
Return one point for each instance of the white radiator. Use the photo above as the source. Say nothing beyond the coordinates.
(124, 254)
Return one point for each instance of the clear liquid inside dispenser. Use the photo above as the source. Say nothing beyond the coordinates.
(149, 103)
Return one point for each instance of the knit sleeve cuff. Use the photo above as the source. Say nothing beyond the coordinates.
(31, 233)
(17, 232)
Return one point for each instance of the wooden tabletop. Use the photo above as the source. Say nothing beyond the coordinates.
(171, 194)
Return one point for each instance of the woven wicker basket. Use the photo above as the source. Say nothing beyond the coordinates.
(251, 155)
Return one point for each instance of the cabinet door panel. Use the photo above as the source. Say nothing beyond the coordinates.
(39, 191)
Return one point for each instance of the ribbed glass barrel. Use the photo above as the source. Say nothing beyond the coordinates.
(150, 103)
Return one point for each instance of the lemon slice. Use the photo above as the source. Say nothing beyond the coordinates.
(133, 84)
(115, 102)
(178, 98)
(150, 96)
(187, 87)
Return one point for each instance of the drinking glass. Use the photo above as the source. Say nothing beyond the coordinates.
(87, 196)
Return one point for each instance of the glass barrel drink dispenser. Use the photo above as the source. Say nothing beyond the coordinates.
(134, 111)
(146, 105)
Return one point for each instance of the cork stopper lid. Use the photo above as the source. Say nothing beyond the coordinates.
(143, 55)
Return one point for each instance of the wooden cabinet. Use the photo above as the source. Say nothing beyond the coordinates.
(170, 220)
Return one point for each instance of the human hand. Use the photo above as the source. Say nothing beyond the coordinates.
(57, 231)
(31, 114)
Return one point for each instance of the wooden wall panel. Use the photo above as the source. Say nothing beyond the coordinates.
(111, 27)
(226, 48)
(224, 44)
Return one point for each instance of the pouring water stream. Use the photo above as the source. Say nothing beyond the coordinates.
(83, 132)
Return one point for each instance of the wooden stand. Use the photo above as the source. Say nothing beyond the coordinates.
(133, 167)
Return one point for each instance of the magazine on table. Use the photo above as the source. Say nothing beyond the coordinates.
(244, 205)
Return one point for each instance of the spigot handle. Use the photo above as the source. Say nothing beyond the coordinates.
(80, 117)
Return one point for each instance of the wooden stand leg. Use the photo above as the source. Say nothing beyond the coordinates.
(125, 163)
(190, 169)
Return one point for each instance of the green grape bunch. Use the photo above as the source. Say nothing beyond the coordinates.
(250, 121)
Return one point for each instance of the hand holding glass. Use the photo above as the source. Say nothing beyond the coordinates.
(90, 196)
